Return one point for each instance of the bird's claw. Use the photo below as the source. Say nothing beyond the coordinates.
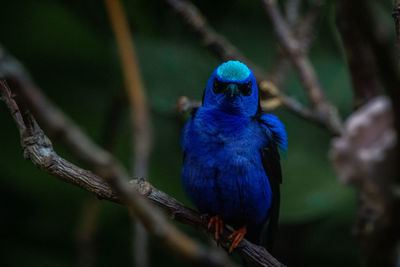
(237, 236)
(218, 224)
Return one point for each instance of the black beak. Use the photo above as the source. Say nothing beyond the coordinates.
(232, 90)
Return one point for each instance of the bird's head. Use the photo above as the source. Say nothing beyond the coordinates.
(232, 88)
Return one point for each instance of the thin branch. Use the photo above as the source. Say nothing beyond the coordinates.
(303, 29)
(217, 43)
(57, 124)
(292, 11)
(134, 86)
(304, 32)
(139, 114)
(291, 46)
(184, 105)
(306, 72)
(113, 121)
(86, 232)
(225, 50)
(72, 136)
(38, 148)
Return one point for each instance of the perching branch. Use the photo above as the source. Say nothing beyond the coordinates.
(39, 149)
(113, 185)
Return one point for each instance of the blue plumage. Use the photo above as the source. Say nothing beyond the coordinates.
(231, 164)
(275, 130)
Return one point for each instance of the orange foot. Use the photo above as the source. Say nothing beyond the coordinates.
(237, 236)
(218, 225)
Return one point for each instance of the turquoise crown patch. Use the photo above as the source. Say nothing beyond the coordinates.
(233, 71)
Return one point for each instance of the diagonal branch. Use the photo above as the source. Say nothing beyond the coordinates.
(292, 48)
(303, 28)
(54, 121)
(225, 50)
(217, 43)
(38, 148)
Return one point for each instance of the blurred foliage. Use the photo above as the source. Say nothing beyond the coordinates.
(69, 49)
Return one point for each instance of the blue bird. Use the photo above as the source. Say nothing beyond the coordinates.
(231, 167)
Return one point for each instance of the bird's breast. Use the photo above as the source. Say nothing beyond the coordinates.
(223, 172)
(234, 138)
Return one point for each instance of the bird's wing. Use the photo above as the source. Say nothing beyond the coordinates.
(277, 142)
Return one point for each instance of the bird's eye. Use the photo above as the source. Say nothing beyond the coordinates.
(245, 89)
(218, 86)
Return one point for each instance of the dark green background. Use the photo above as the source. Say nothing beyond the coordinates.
(70, 51)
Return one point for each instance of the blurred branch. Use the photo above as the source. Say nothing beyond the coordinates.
(113, 120)
(38, 148)
(113, 185)
(292, 11)
(383, 50)
(303, 29)
(139, 114)
(134, 87)
(14, 71)
(87, 226)
(368, 152)
(306, 72)
(57, 125)
(87, 222)
(224, 50)
(365, 157)
(217, 43)
(184, 105)
(54, 121)
(291, 47)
